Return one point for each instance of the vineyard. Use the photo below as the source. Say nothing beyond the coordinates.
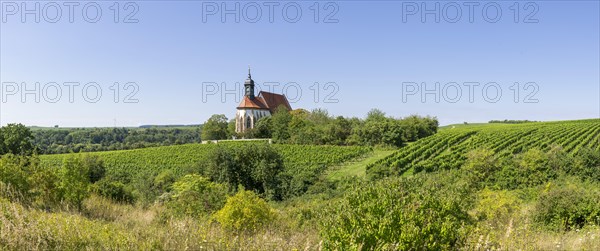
(481, 186)
(447, 149)
(179, 158)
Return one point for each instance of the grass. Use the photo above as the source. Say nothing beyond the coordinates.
(105, 225)
(357, 167)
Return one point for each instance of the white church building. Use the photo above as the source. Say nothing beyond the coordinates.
(252, 108)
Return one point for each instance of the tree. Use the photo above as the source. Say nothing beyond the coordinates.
(13, 172)
(375, 115)
(281, 120)
(231, 128)
(215, 128)
(339, 131)
(256, 168)
(95, 167)
(264, 127)
(74, 181)
(16, 139)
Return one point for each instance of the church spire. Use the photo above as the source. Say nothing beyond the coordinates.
(249, 85)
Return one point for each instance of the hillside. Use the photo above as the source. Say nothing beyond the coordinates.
(447, 149)
(471, 187)
(181, 157)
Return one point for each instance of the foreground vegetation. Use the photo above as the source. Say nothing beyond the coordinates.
(533, 186)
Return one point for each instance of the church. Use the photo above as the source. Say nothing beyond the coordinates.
(252, 107)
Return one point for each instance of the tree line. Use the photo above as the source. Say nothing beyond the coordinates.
(318, 127)
(54, 141)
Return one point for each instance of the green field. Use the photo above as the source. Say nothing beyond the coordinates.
(447, 149)
(182, 157)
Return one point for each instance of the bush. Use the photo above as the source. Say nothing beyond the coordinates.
(256, 167)
(480, 165)
(399, 213)
(13, 173)
(245, 211)
(195, 195)
(496, 206)
(587, 164)
(114, 190)
(569, 205)
(163, 181)
(95, 166)
(74, 180)
(529, 169)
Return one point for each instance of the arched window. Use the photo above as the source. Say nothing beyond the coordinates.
(248, 123)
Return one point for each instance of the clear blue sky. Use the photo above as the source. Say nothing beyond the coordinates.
(369, 53)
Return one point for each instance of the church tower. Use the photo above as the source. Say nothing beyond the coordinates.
(249, 86)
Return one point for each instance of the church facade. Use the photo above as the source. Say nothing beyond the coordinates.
(252, 108)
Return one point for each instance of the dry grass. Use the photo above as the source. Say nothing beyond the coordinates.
(105, 225)
(520, 233)
(109, 226)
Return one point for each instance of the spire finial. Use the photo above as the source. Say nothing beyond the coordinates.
(249, 76)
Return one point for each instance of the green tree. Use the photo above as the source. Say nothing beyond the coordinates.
(281, 122)
(95, 165)
(339, 131)
(264, 127)
(375, 115)
(13, 172)
(231, 129)
(74, 180)
(16, 139)
(256, 167)
(215, 128)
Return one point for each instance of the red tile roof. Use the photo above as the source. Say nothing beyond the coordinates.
(273, 101)
(256, 103)
(264, 101)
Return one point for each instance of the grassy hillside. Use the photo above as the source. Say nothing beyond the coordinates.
(531, 186)
(181, 157)
(447, 149)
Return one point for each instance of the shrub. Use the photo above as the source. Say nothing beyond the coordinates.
(398, 213)
(163, 181)
(569, 205)
(195, 195)
(13, 174)
(480, 164)
(257, 168)
(587, 164)
(114, 190)
(496, 206)
(95, 166)
(529, 169)
(45, 186)
(245, 211)
(74, 180)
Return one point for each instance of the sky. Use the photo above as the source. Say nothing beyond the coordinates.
(96, 64)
